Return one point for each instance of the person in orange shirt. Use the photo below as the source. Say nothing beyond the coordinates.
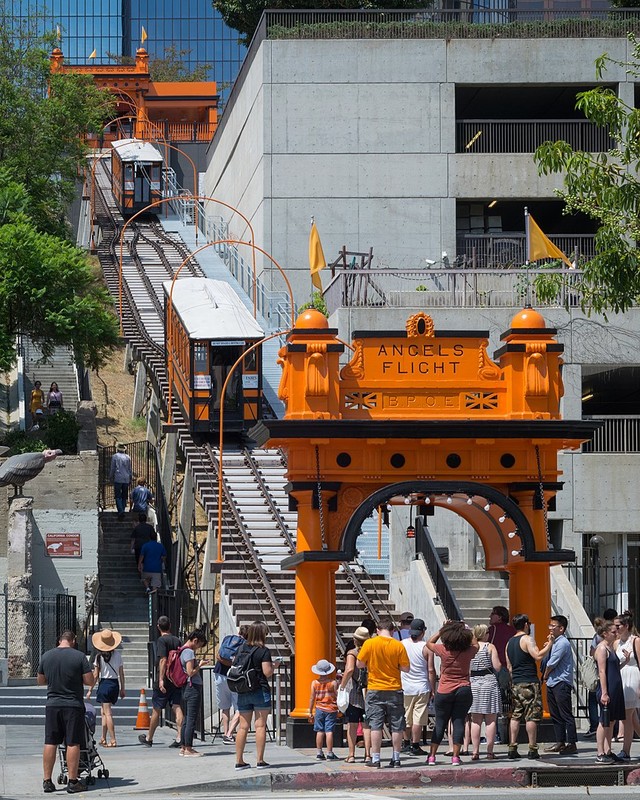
(323, 707)
(385, 658)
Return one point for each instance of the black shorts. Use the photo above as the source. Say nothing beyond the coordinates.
(64, 724)
(354, 714)
(172, 697)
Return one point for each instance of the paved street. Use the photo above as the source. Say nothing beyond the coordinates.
(136, 770)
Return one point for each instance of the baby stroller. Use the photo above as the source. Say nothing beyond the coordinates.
(89, 757)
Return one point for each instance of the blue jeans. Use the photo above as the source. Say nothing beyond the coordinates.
(191, 696)
(121, 491)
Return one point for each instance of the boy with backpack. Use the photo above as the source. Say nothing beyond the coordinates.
(225, 698)
(323, 707)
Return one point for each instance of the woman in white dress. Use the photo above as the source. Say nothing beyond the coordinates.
(486, 693)
(627, 646)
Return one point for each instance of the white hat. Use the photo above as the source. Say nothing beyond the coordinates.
(323, 667)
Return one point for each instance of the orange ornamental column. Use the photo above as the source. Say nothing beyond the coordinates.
(530, 581)
(314, 602)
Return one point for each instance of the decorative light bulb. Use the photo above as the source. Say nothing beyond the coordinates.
(502, 518)
(512, 534)
(427, 501)
(516, 553)
(487, 507)
(449, 500)
(470, 501)
(407, 500)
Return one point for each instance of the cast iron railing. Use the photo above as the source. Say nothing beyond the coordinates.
(444, 593)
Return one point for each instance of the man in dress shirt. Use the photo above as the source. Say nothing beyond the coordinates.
(558, 674)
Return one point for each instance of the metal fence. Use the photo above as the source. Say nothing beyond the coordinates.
(605, 582)
(509, 249)
(618, 434)
(525, 135)
(449, 288)
(31, 626)
(143, 465)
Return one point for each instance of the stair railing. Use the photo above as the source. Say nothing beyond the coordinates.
(91, 620)
(282, 525)
(444, 593)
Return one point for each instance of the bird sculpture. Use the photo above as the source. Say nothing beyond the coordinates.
(17, 470)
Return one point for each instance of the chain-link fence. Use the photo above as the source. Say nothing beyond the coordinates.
(31, 624)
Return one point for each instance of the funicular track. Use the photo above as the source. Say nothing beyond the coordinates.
(253, 580)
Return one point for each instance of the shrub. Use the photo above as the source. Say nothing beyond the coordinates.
(23, 442)
(62, 432)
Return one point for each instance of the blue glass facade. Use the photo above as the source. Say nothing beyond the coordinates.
(115, 26)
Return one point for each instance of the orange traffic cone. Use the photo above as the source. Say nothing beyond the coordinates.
(143, 720)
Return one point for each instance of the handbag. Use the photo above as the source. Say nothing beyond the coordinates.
(343, 696)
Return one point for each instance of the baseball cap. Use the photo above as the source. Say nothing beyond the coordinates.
(407, 616)
(418, 625)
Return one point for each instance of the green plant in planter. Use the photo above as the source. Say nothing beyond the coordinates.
(317, 301)
(23, 442)
(62, 432)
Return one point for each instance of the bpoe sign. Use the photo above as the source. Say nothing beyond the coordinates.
(63, 545)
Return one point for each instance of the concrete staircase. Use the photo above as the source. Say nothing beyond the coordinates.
(60, 368)
(124, 607)
(477, 592)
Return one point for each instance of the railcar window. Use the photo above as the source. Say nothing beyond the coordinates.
(250, 361)
(200, 357)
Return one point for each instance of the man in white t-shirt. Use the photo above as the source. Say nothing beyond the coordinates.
(417, 685)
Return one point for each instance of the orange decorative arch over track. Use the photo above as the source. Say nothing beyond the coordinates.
(425, 413)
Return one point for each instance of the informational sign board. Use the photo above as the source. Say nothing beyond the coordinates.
(64, 545)
(202, 381)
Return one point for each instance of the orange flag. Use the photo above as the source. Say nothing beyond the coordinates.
(540, 246)
(316, 257)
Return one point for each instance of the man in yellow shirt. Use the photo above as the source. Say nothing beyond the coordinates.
(385, 658)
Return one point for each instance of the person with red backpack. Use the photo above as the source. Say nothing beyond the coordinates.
(192, 689)
(165, 693)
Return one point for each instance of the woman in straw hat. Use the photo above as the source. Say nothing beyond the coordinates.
(355, 710)
(109, 674)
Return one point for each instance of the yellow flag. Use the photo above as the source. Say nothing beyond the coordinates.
(316, 257)
(93, 54)
(143, 37)
(540, 246)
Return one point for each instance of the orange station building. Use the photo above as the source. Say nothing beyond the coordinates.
(428, 415)
(181, 111)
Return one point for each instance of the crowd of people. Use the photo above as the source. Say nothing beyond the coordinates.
(393, 677)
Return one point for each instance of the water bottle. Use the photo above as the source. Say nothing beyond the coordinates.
(605, 717)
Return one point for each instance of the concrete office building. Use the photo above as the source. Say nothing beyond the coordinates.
(403, 145)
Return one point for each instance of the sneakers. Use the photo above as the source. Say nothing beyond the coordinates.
(570, 749)
(558, 747)
(243, 765)
(590, 734)
(533, 753)
(431, 761)
(406, 746)
(605, 758)
(623, 756)
(48, 786)
(228, 740)
(455, 761)
(262, 765)
(321, 757)
(395, 762)
(372, 764)
(76, 786)
(332, 757)
(174, 743)
(513, 753)
(416, 750)
(143, 740)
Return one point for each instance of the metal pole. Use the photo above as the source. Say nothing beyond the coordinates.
(278, 708)
(40, 622)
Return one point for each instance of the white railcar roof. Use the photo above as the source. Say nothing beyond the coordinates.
(135, 150)
(211, 309)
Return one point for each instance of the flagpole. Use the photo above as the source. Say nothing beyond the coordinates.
(527, 239)
(313, 219)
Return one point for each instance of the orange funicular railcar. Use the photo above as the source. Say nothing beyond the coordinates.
(207, 329)
(136, 175)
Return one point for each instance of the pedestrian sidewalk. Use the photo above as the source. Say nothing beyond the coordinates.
(134, 768)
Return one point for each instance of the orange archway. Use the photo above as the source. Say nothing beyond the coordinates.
(425, 413)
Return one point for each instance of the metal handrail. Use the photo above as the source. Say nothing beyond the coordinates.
(282, 525)
(262, 575)
(444, 592)
(88, 628)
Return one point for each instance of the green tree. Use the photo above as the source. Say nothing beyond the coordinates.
(48, 290)
(43, 118)
(605, 186)
(244, 15)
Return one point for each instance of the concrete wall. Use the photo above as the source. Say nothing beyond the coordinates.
(65, 501)
(361, 135)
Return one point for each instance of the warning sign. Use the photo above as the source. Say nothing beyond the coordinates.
(64, 545)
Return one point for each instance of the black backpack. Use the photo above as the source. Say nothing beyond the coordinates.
(243, 677)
